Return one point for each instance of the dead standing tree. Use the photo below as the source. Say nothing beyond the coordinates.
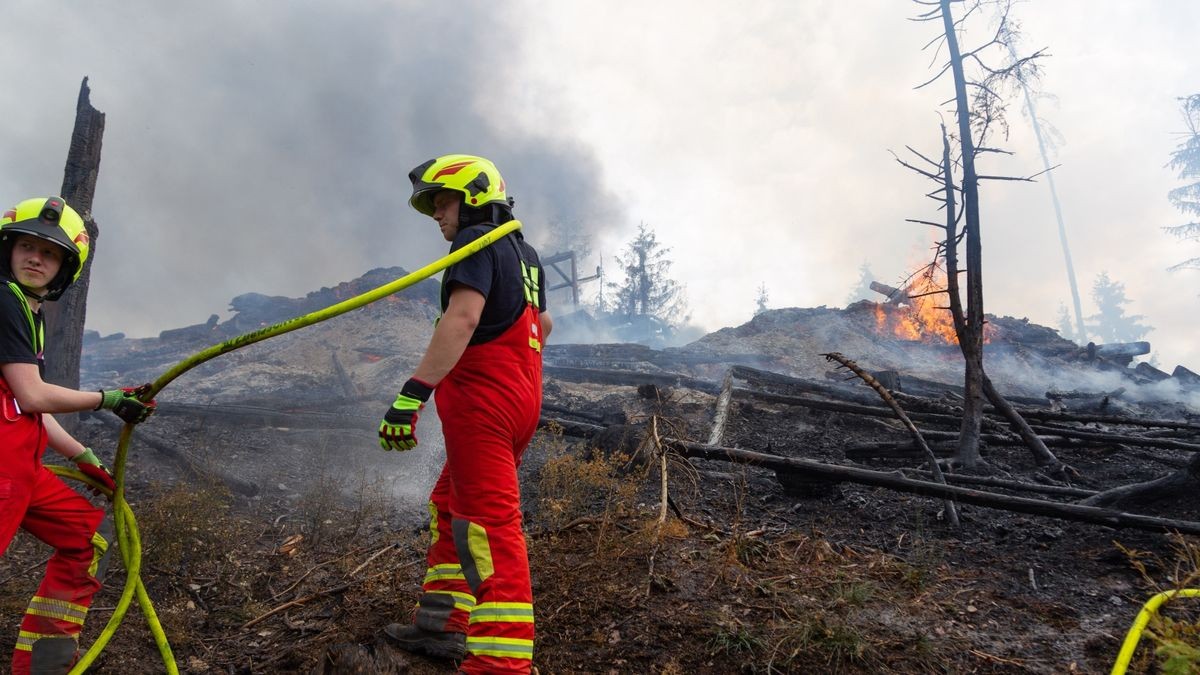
(975, 117)
(66, 316)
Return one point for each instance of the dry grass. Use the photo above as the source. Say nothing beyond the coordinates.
(1175, 629)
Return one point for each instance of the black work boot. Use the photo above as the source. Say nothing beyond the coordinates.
(417, 640)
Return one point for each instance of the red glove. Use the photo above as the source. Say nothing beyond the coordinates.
(91, 466)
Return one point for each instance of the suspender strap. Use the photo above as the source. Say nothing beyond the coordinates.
(529, 275)
(36, 330)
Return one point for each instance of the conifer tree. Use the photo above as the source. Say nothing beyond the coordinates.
(1110, 323)
(760, 302)
(648, 289)
(1186, 160)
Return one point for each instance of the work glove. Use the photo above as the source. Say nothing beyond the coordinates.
(93, 468)
(125, 403)
(398, 430)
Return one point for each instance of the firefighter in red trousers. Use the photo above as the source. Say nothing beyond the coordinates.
(485, 364)
(43, 246)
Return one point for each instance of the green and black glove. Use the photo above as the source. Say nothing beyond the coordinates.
(398, 430)
(125, 403)
(93, 468)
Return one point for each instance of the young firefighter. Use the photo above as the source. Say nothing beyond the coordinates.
(485, 362)
(43, 246)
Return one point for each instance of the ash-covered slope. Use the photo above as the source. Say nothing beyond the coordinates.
(366, 353)
(355, 355)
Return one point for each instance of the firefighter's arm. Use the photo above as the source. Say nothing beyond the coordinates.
(35, 395)
(59, 440)
(547, 325)
(452, 335)
(85, 460)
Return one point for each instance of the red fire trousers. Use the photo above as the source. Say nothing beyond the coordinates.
(33, 498)
(477, 580)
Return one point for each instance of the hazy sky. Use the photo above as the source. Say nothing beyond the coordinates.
(264, 146)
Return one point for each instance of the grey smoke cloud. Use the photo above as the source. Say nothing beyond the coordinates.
(265, 147)
(752, 137)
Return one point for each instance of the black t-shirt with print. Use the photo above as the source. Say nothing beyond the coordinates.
(16, 339)
(496, 273)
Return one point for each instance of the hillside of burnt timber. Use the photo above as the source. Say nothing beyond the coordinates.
(801, 531)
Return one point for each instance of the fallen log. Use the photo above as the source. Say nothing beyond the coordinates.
(1041, 454)
(767, 378)
(853, 408)
(1124, 439)
(1053, 416)
(569, 427)
(1039, 507)
(1163, 487)
(1020, 486)
(598, 419)
(1116, 350)
(894, 295)
(903, 450)
(721, 413)
(1185, 377)
(629, 378)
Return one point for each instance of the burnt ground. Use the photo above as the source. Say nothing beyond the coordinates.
(281, 544)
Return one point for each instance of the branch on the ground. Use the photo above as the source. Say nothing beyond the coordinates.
(935, 469)
(835, 472)
(1152, 490)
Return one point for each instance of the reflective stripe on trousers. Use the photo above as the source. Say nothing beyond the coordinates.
(477, 580)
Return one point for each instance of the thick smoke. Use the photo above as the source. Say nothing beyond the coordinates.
(266, 147)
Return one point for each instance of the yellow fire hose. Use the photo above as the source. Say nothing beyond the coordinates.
(1139, 625)
(128, 538)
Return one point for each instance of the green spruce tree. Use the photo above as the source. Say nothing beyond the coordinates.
(1110, 323)
(1186, 161)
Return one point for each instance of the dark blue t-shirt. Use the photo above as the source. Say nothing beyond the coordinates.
(496, 273)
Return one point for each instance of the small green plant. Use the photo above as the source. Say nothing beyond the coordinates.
(734, 641)
(853, 593)
(838, 643)
(1177, 657)
(1176, 634)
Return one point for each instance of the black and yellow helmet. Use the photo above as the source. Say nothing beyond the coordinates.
(51, 219)
(476, 178)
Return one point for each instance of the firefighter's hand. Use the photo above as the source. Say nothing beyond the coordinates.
(93, 468)
(398, 430)
(125, 403)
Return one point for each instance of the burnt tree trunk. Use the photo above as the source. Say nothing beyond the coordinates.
(970, 338)
(65, 318)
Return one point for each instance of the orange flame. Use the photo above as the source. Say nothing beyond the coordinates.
(925, 318)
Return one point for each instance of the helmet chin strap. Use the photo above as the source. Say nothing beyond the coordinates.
(31, 294)
(496, 214)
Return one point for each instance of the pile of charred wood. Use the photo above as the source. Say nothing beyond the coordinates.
(1162, 441)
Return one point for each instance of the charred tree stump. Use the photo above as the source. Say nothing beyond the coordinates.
(65, 318)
